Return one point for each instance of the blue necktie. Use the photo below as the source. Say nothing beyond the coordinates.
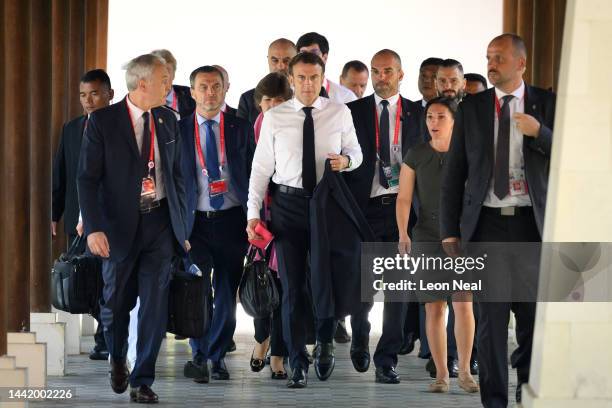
(212, 162)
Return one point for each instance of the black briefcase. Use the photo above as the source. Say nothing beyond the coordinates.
(189, 307)
(76, 280)
(257, 291)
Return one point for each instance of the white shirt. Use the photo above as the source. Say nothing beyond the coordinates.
(279, 150)
(339, 93)
(516, 161)
(377, 189)
(138, 122)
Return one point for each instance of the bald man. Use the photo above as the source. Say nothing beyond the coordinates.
(280, 52)
(225, 108)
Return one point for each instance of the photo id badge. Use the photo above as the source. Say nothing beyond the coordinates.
(148, 195)
(217, 187)
(518, 184)
(395, 174)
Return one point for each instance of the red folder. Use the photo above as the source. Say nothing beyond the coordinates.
(265, 234)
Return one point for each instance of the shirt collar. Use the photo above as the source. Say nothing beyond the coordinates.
(518, 93)
(135, 111)
(170, 96)
(423, 103)
(392, 100)
(297, 105)
(202, 119)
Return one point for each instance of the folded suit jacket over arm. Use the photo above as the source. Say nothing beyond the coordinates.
(337, 229)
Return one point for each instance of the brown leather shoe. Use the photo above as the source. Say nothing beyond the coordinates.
(119, 375)
(143, 395)
(467, 383)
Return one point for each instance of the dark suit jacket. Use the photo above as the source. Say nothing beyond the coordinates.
(470, 160)
(337, 229)
(186, 104)
(360, 179)
(110, 176)
(239, 149)
(64, 197)
(246, 107)
(230, 110)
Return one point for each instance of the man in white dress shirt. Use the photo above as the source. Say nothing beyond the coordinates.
(296, 139)
(317, 44)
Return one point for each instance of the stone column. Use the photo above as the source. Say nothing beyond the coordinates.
(572, 352)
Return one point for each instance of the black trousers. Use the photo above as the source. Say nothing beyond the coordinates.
(381, 218)
(272, 326)
(144, 273)
(290, 226)
(492, 336)
(219, 242)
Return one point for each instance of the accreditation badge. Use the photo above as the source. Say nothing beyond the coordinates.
(148, 195)
(217, 187)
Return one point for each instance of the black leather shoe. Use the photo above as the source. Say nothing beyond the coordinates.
(119, 375)
(324, 360)
(143, 395)
(257, 364)
(279, 375)
(199, 372)
(407, 344)
(453, 367)
(473, 366)
(361, 359)
(299, 378)
(387, 375)
(219, 371)
(430, 367)
(98, 355)
(231, 347)
(341, 335)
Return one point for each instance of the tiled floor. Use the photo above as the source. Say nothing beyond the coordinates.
(345, 388)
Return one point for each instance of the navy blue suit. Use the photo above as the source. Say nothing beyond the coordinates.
(381, 217)
(218, 238)
(141, 244)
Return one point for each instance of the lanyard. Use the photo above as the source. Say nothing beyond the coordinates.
(174, 101)
(151, 163)
(199, 145)
(398, 115)
(327, 88)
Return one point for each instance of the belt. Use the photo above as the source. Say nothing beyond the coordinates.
(508, 211)
(217, 213)
(386, 199)
(157, 205)
(293, 191)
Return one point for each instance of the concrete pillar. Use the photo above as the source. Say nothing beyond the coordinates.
(73, 331)
(53, 333)
(29, 354)
(572, 356)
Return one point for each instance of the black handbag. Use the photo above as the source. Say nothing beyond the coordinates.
(189, 307)
(76, 280)
(258, 292)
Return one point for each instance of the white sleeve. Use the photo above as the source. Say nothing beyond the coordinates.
(350, 144)
(262, 168)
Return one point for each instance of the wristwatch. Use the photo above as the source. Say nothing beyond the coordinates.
(350, 163)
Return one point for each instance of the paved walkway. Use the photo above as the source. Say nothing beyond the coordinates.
(345, 388)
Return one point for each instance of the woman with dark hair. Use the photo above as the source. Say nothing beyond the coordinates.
(271, 91)
(421, 173)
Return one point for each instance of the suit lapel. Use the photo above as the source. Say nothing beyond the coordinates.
(369, 122)
(189, 144)
(408, 119)
(487, 107)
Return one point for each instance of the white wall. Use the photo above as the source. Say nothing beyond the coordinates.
(236, 34)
